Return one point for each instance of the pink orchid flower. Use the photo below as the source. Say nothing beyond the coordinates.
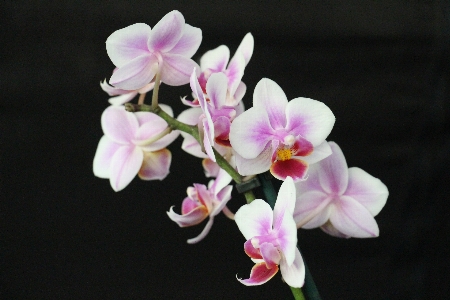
(134, 143)
(216, 61)
(139, 52)
(341, 201)
(123, 96)
(191, 116)
(202, 202)
(214, 123)
(285, 137)
(272, 238)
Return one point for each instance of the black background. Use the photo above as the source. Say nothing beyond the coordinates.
(382, 68)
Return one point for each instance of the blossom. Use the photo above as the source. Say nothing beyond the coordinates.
(216, 60)
(123, 96)
(134, 143)
(285, 137)
(213, 118)
(202, 202)
(139, 52)
(341, 201)
(214, 123)
(272, 238)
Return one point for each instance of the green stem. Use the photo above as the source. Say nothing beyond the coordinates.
(298, 294)
(249, 196)
(173, 123)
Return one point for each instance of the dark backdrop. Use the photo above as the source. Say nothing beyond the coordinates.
(381, 66)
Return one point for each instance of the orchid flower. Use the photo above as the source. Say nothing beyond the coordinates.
(202, 202)
(139, 52)
(214, 123)
(272, 238)
(216, 61)
(123, 96)
(134, 143)
(191, 116)
(341, 201)
(285, 137)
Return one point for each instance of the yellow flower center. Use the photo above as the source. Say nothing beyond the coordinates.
(284, 154)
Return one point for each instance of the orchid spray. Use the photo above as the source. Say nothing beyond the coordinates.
(286, 139)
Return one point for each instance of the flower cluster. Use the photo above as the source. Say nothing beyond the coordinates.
(286, 138)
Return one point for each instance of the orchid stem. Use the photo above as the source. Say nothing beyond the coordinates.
(156, 90)
(173, 123)
(249, 196)
(222, 162)
(298, 294)
(141, 98)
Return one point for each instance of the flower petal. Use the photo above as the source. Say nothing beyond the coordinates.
(333, 175)
(296, 168)
(119, 125)
(311, 208)
(167, 32)
(222, 180)
(328, 228)
(235, 71)
(208, 142)
(256, 165)
(121, 99)
(310, 118)
(155, 165)
(270, 255)
(254, 219)
(204, 232)
(311, 184)
(136, 73)
(367, 190)
(260, 274)
(294, 274)
(102, 160)
(269, 96)
(216, 88)
(215, 60)
(188, 205)
(125, 164)
(283, 220)
(162, 142)
(150, 126)
(190, 116)
(246, 47)
(194, 217)
(176, 69)
(238, 95)
(128, 43)
(319, 152)
(353, 219)
(112, 91)
(189, 41)
(250, 132)
(191, 146)
(251, 251)
(222, 131)
(285, 203)
(211, 168)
